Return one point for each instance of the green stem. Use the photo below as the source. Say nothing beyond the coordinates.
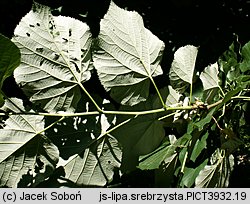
(191, 94)
(153, 82)
(111, 130)
(245, 98)
(166, 116)
(134, 112)
(214, 104)
(104, 112)
(184, 162)
(223, 94)
(51, 125)
(117, 126)
(124, 112)
(90, 97)
(158, 93)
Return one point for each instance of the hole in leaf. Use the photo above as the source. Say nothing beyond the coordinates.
(51, 26)
(41, 62)
(70, 32)
(32, 26)
(39, 165)
(28, 34)
(21, 85)
(109, 162)
(74, 58)
(56, 57)
(77, 69)
(56, 33)
(38, 24)
(39, 49)
(65, 40)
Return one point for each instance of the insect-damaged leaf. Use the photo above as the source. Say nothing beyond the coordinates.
(95, 165)
(25, 151)
(29, 165)
(128, 55)
(55, 58)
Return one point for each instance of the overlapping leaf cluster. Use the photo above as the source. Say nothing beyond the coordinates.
(69, 136)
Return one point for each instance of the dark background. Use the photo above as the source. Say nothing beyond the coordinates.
(210, 24)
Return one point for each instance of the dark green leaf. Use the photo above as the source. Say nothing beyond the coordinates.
(228, 61)
(190, 174)
(245, 65)
(9, 58)
(140, 136)
(164, 176)
(199, 146)
(204, 121)
(166, 152)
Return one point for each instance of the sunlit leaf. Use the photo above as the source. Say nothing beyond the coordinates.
(173, 97)
(95, 165)
(216, 174)
(24, 150)
(190, 174)
(210, 81)
(55, 58)
(209, 77)
(207, 176)
(182, 69)
(18, 130)
(128, 55)
(14, 105)
(165, 152)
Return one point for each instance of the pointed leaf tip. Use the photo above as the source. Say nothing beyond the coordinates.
(55, 58)
(128, 55)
